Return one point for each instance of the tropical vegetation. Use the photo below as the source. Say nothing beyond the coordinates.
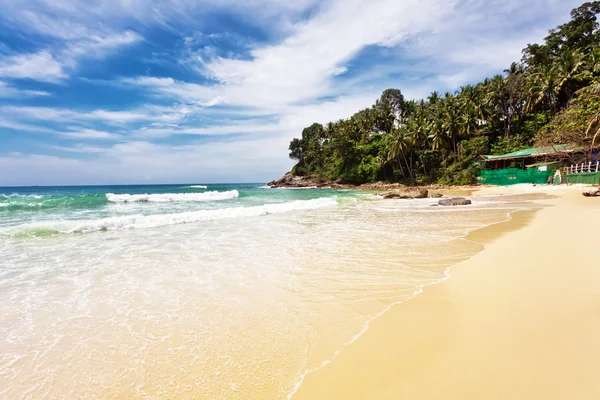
(551, 96)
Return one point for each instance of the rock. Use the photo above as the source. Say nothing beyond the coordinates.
(289, 180)
(594, 192)
(414, 193)
(436, 195)
(455, 201)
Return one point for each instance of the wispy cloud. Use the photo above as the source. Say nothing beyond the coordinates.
(41, 66)
(66, 115)
(83, 134)
(302, 66)
(66, 40)
(10, 91)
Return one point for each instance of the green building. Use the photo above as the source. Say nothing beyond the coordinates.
(532, 165)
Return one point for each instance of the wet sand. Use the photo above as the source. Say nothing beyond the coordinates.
(519, 321)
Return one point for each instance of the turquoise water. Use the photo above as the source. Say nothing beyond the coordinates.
(62, 209)
(206, 291)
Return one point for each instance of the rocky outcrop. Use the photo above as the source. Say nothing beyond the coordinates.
(294, 181)
(455, 201)
(287, 180)
(386, 189)
(409, 193)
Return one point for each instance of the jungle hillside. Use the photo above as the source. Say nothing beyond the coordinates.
(549, 97)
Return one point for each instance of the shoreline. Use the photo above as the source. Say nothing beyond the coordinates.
(289, 181)
(347, 374)
(447, 274)
(419, 290)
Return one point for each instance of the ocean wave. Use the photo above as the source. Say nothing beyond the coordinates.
(138, 221)
(197, 187)
(171, 197)
(30, 196)
(18, 202)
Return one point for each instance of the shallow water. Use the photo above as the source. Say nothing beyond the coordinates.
(185, 294)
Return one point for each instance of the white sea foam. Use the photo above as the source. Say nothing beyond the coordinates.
(198, 187)
(139, 221)
(9, 196)
(300, 188)
(171, 197)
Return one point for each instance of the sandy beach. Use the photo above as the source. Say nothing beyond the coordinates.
(519, 321)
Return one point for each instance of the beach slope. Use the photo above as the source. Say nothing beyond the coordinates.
(519, 321)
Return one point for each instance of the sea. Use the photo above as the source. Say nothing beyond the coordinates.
(208, 291)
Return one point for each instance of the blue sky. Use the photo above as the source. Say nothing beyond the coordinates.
(140, 91)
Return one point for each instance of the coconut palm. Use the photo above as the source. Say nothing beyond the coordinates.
(568, 66)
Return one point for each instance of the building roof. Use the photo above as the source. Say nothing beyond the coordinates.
(541, 164)
(531, 152)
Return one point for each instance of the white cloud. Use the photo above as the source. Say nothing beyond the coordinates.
(188, 92)
(17, 126)
(140, 162)
(67, 18)
(302, 66)
(41, 66)
(71, 133)
(483, 37)
(98, 45)
(66, 115)
(72, 40)
(7, 90)
(78, 133)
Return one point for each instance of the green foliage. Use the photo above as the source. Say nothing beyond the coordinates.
(551, 97)
(511, 144)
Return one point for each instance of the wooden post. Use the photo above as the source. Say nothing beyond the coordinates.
(597, 165)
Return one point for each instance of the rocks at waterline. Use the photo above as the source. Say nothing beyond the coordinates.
(455, 201)
(414, 193)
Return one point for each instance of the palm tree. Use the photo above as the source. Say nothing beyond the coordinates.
(433, 98)
(515, 69)
(399, 146)
(449, 115)
(470, 110)
(548, 87)
(568, 65)
(437, 136)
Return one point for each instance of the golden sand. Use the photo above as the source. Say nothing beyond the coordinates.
(519, 321)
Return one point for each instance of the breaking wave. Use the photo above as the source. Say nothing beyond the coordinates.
(197, 187)
(35, 202)
(171, 197)
(138, 221)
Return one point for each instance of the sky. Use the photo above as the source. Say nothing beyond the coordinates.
(208, 91)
